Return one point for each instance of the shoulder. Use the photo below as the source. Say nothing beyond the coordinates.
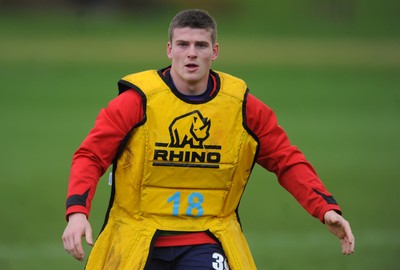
(255, 105)
(231, 85)
(228, 77)
(125, 110)
(138, 76)
(258, 115)
(145, 81)
(126, 98)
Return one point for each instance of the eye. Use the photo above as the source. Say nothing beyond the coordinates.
(202, 45)
(183, 44)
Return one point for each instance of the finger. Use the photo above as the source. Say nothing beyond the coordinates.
(68, 242)
(65, 244)
(88, 235)
(348, 245)
(345, 247)
(78, 251)
(349, 237)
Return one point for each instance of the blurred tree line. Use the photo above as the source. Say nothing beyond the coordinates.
(346, 16)
(331, 8)
(121, 5)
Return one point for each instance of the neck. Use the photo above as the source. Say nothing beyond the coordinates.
(191, 88)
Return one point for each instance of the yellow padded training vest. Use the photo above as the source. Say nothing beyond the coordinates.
(184, 168)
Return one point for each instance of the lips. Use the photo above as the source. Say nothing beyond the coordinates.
(191, 66)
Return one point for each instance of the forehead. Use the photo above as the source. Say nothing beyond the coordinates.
(191, 34)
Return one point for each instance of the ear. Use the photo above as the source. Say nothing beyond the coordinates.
(169, 50)
(215, 51)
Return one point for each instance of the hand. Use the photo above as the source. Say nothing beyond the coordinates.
(78, 226)
(341, 228)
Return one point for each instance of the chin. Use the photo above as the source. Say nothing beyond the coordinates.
(191, 78)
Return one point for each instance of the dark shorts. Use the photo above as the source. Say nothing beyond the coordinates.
(197, 257)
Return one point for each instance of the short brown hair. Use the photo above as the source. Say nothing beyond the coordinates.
(196, 19)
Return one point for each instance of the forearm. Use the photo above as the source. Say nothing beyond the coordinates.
(85, 174)
(305, 186)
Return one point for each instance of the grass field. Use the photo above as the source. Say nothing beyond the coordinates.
(337, 97)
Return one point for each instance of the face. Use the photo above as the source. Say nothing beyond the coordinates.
(191, 52)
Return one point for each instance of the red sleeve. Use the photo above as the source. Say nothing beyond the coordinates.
(99, 148)
(277, 155)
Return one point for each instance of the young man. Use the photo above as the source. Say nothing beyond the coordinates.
(183, 141)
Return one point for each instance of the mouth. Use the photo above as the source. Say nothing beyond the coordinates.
(191, 66)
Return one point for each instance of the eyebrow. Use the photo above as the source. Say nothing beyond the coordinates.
(202, 43)
(196, 42)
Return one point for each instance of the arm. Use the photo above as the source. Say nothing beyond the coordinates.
(294, 172)
(279, 156)
(90, 162)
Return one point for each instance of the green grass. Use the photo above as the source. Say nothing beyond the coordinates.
(338, 98)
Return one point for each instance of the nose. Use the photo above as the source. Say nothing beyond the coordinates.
(192, 53)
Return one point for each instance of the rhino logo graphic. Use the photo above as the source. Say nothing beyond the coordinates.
(189, 129)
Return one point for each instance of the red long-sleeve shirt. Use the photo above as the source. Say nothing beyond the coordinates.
(276, 154)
